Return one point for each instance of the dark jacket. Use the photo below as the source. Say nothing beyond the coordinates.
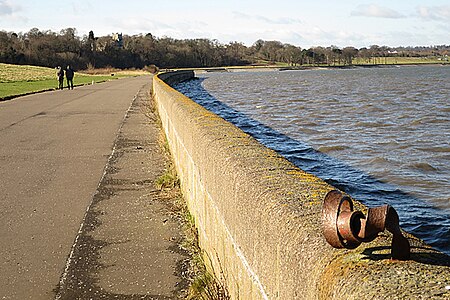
(60, 74)
(69, 73)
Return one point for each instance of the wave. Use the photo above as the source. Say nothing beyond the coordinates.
(443, 203)
(372, 124)
(309, 130)
(428, 120)
(422, 166)
(435, 149)
(379, 161)
(327, 149)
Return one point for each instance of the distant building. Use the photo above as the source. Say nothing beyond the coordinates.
(92, 41)
(117, 37)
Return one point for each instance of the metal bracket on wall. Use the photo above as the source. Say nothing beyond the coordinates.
(345, 228)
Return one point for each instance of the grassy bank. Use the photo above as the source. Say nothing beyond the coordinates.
(398, 61)
(16, 80)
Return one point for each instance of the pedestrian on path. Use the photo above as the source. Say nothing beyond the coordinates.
(60, 75)
(69, 76)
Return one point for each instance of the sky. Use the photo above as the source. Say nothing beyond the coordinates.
(301, 23)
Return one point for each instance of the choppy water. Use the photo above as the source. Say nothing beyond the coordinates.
(381, 135)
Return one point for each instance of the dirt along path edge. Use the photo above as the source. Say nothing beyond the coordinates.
(129, 245)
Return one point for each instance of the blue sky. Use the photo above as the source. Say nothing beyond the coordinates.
(302, 23)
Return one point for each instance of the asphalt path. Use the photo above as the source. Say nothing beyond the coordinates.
(53, 150)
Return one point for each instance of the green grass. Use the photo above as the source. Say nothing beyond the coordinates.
(360, 61)
(18, 80)
(167, 180)
(12, 73)
(398, 60)
(17, 88)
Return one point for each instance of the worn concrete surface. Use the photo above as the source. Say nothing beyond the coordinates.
(54, 147)
(129, 245)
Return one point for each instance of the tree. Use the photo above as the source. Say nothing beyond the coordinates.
(348, 53)
(47, 48)
(374, 53)
(293, 55)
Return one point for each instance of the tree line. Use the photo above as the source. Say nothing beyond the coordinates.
(50, 49)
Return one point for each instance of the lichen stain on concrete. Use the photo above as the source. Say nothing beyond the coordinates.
(285, 204)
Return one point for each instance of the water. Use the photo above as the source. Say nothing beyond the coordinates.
(382, 135)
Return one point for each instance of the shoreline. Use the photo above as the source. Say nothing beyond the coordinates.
(302, 68)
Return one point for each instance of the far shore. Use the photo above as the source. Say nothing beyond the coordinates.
(301, 68)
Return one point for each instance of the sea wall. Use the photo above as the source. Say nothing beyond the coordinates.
(259, 218)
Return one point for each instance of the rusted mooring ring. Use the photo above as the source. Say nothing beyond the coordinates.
(345, 228)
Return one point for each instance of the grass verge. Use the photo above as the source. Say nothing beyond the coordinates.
(204, 284)
(17, 88)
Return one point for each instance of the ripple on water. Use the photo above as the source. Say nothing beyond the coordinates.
(328, 149)
(437, 149)
(422, 166)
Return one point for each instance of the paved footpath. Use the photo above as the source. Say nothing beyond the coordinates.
(80, 217)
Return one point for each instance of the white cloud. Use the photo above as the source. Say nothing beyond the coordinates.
(341, 38)
(278, 21)
(6, 8)
(376, 11)
(436, 13)
(81, 8)
(263, 19)
(136, 25)
(10, 19)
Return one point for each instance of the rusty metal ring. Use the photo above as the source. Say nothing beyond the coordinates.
(334, 205)
(348, 228)
(345, 228)
(376, 222)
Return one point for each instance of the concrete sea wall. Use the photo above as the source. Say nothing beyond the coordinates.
(259, 218)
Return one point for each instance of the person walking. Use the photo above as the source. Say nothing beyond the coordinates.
(69, 76)
(60, 75)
